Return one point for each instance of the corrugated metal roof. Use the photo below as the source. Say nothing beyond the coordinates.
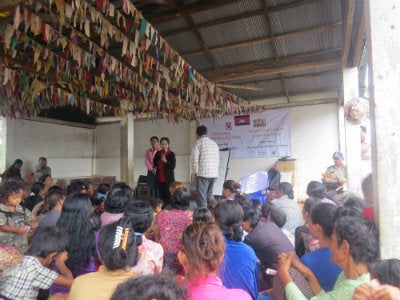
(184, 42)
(234, 32)
(232, 9)
(254, 79)
(200, 61)
(306, 84)
(171, 25)
(243, 55)
(312, 42)
(270, 89)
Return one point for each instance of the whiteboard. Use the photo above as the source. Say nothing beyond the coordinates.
(224, 155)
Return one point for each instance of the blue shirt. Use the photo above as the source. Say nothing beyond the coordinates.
(240, 268)
(319, 261)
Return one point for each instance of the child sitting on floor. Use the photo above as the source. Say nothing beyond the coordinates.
(24, 280)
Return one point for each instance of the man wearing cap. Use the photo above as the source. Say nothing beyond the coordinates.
(337, 170)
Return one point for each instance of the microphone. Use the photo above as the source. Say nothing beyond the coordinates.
(163, 151)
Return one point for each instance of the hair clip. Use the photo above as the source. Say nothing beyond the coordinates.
(117, 237)
(138, 233)
(125, 238)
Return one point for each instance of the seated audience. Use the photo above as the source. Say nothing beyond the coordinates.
(201, 255)
(267, 240)
(117, 199)
(240, 269)
(230, 189)
(118, 252)
(152, 233)
(16, 222)
(366, 186)
(98, 201)
(76, 186)
(140, 215)
(153, 287)
(270, 212)
(52, 207)
(317, 190)
(386, 282)
(36, 196)
(203, 214)
(24, 280)
(171, 223)
(303, 240)
(13, 172)
(289, 205)
(354, 245)
(319, 261)
(76, 221)
(47, 182)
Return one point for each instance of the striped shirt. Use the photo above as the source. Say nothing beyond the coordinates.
(205, 158)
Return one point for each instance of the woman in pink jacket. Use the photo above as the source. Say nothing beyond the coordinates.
(202, 253)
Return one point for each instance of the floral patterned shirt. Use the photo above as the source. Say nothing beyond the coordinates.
(150, 258)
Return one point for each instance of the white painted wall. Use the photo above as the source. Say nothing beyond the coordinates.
(108, 152)
(74, 151)
(69, 149)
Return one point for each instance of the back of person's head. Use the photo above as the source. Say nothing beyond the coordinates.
(140, 214)
(53, 195)
(76, 187)
(309, 203)
(76, 220)
(118, 246)
(150, 287)
(201, 130)
(278, 216)
(243, 199)
(18, 162)
(117, 199)
(361, 236)
(352, 206)
(387, 271)
(202, 214)
(232, 186)
(316, 190)
(367, 189)
(250, 214)
(154, 138)
(229, 215)
(180, 198)
(287, 189)
(266, 209)
(103, 188)
(323, 214)
(37, 187)
(175, 185)
(47, 240)
(10, 187)
(203, 247)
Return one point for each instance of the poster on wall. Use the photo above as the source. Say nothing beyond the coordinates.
(265, 134)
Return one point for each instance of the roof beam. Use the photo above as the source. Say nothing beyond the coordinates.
(240, 86)
(267, 39)
(349, 9)
(359, 38)
(245, 15)
(302, 103)
(308, 93)
(277, 66)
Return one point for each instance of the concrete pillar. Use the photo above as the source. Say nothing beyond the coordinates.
(352, 134)
(383, 48)
(127, 149)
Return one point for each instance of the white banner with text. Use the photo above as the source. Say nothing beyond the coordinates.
(263, 134)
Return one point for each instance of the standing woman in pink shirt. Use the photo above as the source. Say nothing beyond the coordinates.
(148, 160)
(202, 253)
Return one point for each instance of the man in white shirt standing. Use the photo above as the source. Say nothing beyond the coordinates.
(205, 164)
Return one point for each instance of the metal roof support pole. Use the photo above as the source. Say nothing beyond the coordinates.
(383, 48)
(127, 149)
(352, 143)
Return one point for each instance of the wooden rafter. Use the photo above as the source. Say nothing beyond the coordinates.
(267, 39)
(273, 66)
(308, 93)
(302, 103)
(359, 37)
(349, 9)
(197, 33)
(250, 87)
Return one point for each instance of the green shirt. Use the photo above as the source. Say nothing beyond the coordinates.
(343, 289)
